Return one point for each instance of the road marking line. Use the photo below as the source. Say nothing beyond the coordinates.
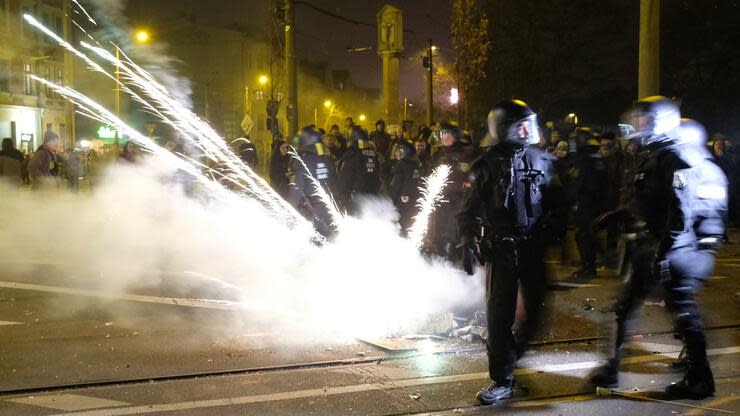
(329, 391)
(10, 323)
(576, 285)
(193, 303)
(68, 402)
(714, 403)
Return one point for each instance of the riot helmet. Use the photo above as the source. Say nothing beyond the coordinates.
(405, 148)
(452, 128)
(309, 140)
(358, 137)
(653, 119)
(513, 122)
(692, 133)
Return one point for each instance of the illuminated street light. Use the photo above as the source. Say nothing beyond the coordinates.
(362, 117)
(263, 79)
(327, 103)
(142, 36)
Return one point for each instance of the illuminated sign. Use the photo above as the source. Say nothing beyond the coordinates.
(107, 132)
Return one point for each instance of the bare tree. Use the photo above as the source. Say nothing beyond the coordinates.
(469, 29)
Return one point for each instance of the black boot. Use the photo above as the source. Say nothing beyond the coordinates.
(698, 383)
(496, 393)
(606, 375)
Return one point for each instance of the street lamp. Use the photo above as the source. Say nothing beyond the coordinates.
(362, 117)
(327, 103)
(263, 80)
(142, 36)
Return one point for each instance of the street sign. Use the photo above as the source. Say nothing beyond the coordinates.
(247, 124)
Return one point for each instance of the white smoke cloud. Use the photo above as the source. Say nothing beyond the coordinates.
(140, 230)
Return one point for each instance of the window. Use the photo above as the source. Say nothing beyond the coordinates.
(59, 26)
(27, 80)
(4, 75)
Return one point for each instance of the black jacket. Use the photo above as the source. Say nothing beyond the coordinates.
(510, 190)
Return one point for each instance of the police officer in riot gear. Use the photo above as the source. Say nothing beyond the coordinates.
(305, 175)
(459, 155)
(405, 182)
(678, 215)
(509, 194)
(591, 182)
(359, 172)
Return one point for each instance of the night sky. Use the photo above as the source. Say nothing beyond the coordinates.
(324, 38)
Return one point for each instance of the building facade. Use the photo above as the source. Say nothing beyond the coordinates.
(28, 109)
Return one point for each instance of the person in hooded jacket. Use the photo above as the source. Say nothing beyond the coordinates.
(279, 166)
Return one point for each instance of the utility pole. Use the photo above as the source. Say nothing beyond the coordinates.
(649, 57)
(290, 68)
(429, 74)
(69, 110)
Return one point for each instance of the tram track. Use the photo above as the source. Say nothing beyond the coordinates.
(304, 365)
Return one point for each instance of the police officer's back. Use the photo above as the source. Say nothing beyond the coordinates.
(313, 169)
(359, 173)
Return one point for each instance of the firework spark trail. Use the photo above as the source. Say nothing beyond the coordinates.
(325, 197)
(206, 139)
(85, 12)
(93, 108)
(431, 196)
(255, 187)
(93, 65)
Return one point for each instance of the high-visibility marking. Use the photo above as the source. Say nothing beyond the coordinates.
(396, 384)
(10, 323)
(68, 402)
(192, 303)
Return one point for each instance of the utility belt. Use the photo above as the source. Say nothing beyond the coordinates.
(511, 241)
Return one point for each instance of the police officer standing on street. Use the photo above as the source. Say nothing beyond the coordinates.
(678, 210)
(359, 173)
(306, 174)
(510, 189)
(405, 182)
(459, 155)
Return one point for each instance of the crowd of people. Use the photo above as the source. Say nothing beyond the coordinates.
(516, 190)
(510, 193)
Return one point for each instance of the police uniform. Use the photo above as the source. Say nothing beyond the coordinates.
(509, 194)
(459, 157)
(679, 207)
(360, 172)
(405, 182)
(303, 189)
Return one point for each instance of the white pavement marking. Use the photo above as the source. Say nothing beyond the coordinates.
(193, 303)
(330, 391)
(68, 402)
(10, 323)
(569, 284)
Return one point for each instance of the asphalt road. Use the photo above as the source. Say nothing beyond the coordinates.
(66, 348)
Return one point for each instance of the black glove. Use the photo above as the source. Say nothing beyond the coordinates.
(471, 257)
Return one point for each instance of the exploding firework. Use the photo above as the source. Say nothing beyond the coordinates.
(431, 197)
